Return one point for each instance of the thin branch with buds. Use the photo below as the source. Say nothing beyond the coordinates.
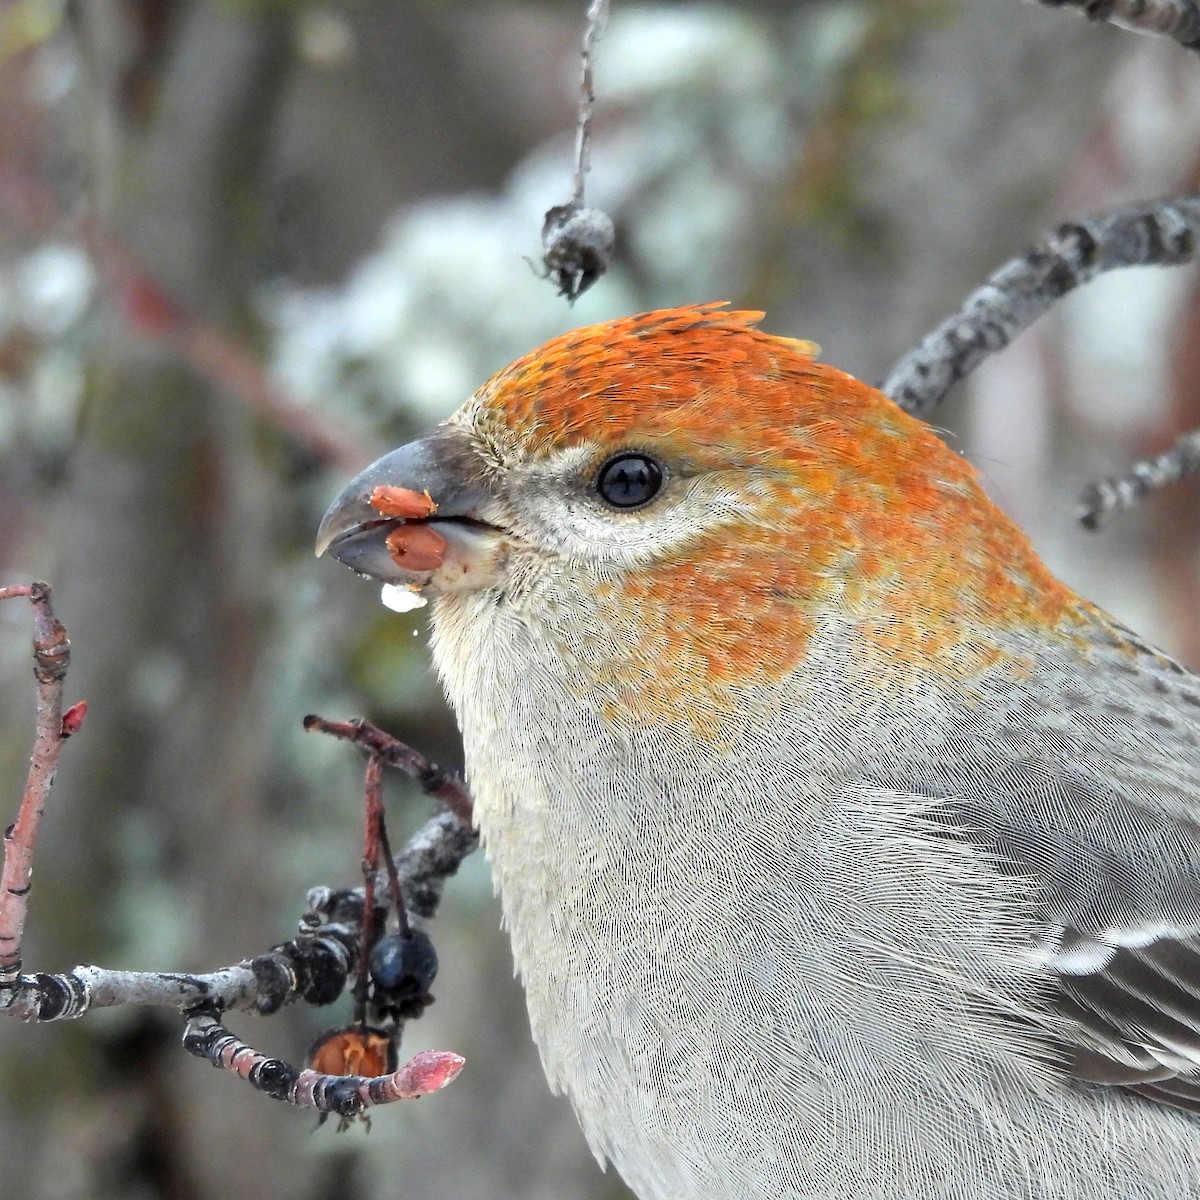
(51, 656)
(346, 1095)
(314, 967)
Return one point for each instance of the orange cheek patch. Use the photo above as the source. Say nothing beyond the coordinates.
(402, 503)
(416, 547)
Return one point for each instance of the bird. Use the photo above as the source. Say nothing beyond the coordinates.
(843, 849)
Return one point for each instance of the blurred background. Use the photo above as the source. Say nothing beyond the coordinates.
(245, 245)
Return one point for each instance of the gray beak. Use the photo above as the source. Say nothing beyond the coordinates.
(442, 463)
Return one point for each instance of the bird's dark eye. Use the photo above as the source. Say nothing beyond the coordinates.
(629, 480)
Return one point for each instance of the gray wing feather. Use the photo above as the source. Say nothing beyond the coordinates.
(1095, 795)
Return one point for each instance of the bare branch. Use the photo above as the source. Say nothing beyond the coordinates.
(1104, 499)
(1178, 20)
(69, 994)
(1164, 233)
(597, 17)
(312, 968)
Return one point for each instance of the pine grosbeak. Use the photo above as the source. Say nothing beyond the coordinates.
(845, 852)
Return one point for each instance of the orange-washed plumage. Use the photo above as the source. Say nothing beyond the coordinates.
(844, 851)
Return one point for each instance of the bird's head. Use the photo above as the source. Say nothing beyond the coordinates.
(704, 494)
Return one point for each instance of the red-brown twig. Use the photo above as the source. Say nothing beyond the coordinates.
(51, 656)
(443, 785)
(214, 355)
(393, 876)
(373, 822)
(152, 315)
(377, 852)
